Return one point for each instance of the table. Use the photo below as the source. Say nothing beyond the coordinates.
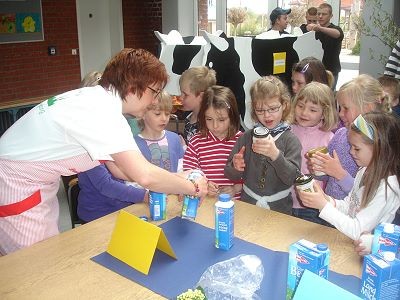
(60, 267)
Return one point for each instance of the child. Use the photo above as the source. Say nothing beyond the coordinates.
(209, 149)
(375, 196)
(361, 95)
(269, 166)
(307, 70)
(391, 86)
(161, 147)
(193, 83)
(101, 193)
(314, 118)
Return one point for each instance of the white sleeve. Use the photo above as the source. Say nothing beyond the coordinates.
(380, 209)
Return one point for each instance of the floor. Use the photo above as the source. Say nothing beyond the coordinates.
(349, 71)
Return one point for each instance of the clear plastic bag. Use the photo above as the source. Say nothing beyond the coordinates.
(237, 278)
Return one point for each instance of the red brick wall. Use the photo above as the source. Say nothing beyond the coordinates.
(27, 71)
(141, 19)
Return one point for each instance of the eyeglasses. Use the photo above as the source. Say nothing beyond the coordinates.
(156, 93)
(269, 110)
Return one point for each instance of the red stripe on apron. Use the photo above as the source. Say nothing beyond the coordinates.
(21, 206)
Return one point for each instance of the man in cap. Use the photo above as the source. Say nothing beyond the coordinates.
(279, 20)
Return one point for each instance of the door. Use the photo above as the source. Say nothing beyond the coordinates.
(100, 32)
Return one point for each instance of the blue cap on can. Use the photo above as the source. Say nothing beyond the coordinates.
(224, 197)
(322, 247)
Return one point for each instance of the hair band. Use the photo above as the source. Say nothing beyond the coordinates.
(364, 127)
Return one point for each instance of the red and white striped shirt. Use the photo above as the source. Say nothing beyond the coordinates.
(209, 154)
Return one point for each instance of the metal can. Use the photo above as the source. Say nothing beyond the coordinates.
(191, 203)
(305, 183)
(158, 206)
(310, 154)
(260, 133)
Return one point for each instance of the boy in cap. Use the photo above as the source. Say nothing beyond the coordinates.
(279, 20)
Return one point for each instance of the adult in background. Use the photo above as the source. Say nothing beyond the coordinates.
(311, 18)
(392, 67)
(74, 132)
(331, 37)
(279, 20)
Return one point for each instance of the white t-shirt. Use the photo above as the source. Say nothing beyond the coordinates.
(63, 135)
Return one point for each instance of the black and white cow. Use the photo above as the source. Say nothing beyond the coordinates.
(238, 61)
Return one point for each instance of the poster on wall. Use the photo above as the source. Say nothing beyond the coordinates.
(21, 21)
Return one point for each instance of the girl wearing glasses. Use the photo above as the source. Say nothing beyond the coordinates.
(314, 116)
(268, 166)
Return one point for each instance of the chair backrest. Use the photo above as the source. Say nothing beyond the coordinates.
(72, 196)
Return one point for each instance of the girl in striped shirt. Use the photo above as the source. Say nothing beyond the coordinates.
(208, 150)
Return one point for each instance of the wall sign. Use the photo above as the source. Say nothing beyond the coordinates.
(21, 21)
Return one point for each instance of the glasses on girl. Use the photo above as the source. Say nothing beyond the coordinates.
(270, 110)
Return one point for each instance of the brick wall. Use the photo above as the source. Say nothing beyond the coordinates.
(141, 19)
(27, 71)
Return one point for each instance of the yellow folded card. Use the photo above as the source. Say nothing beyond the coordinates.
(134, 241)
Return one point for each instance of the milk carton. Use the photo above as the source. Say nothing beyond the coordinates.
(381, 277)
(158, 206)
(386, 239)
(305, 255)
(224, 213)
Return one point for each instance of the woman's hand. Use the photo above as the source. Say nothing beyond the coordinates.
(266, 147)
(313, 199)
(238, 160)
(329, 165)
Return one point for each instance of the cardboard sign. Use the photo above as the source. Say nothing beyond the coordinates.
(134, 241)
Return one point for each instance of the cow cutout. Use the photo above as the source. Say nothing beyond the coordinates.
(238, 61)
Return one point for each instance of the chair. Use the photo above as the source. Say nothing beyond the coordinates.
(72, 197)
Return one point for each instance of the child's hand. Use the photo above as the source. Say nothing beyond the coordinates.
(238, 160)
(266, 147)
(213, 188)
(363, 245)
(313, 199)
(329, 165)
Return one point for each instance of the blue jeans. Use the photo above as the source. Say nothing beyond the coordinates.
(309, 214)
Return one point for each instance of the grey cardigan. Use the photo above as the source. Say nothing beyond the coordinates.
(264, 176)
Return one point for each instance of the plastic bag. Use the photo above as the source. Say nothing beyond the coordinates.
(237, 278)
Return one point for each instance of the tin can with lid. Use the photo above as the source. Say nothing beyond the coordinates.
(305, 183)
(310, 154)
(260, 133)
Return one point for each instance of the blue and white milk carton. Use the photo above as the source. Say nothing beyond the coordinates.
(380, 277)
(224, 222)
(386, 239)
(305, 255)
(158, 206)
(191, 203)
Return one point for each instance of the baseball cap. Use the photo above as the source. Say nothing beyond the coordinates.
(278, 12)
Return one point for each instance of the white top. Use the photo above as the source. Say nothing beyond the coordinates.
(351, 220)
(63, 135)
